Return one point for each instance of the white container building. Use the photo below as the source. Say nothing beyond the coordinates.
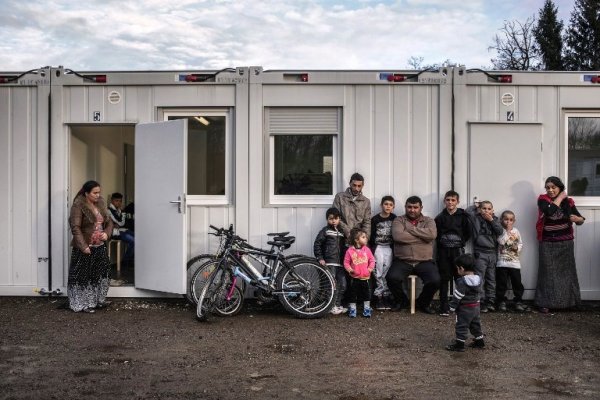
(267, 151)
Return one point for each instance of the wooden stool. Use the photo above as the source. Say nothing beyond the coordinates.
(413, 292)
(118, 243)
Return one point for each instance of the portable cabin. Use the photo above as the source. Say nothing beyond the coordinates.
(267, 151)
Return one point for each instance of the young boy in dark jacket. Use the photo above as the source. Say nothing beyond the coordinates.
(486, 230)
(329, 249)
(465, 301)
(453, 232)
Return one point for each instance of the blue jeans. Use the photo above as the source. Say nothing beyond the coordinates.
(129, 238)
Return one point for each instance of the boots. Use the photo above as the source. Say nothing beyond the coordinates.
(477, 344)
(457, 345)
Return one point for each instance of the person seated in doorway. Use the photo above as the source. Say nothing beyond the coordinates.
(120, 232)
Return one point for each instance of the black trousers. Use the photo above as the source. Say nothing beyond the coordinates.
(445, 263)
(503, 275)
(399, 272)
(360, 290)
(468, 320)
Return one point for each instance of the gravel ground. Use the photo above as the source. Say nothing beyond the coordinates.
(155, 349)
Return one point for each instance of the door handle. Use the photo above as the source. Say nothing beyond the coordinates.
(178, 202)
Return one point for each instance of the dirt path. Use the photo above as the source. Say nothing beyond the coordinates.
(156, 350)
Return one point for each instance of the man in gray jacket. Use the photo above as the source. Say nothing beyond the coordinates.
(354, 207)
(413, 235)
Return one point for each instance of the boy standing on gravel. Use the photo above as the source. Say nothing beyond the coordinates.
(453, 232)
(465, 302)
(329, 248)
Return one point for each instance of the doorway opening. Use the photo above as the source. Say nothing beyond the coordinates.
(106, 154)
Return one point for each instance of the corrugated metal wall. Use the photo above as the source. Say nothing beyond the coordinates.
(18, 180)
(399, 136)
(545, 103)
(390, 135)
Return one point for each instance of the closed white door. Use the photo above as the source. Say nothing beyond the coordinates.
(505, 167)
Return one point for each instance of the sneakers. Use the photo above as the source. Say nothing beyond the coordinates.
(491, 307)
(444, 313)
(352, 312)
(379, 304)
(425, 309)
(520, 307)
(337, 310)
(477, 344)
(483, 307)
(366, 312)
(502, 306)
(456, 346)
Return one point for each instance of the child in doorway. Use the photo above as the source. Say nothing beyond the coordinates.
(381, 244)
(486, 230)
(465, 302)
(359, 262)
(509, 266)
(329, 249)
(453, 232)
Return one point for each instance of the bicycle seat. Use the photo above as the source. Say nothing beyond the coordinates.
(284, 242)
(278, 234)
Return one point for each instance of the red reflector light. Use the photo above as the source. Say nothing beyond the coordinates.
(396, 78)
(7, 79)
(504, 78)
(304, 77)
(96, 78)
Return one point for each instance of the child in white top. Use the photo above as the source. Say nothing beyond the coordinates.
(509, 265)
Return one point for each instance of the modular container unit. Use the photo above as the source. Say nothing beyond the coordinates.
(267, 151)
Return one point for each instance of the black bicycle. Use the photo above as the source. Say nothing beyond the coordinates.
(304, 287)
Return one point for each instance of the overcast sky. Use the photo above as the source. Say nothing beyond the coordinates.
(285, 34)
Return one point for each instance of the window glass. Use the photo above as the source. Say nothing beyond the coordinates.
(206, 154)
(584, 156)
(303, 164)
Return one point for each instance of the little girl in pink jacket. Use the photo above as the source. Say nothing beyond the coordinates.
(359, 262)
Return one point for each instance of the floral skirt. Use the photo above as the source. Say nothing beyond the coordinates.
(89, 278)
(557, 283)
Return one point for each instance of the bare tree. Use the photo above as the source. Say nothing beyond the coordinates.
(415, 62)
(515, 46)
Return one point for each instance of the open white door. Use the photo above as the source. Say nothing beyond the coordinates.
(160, 220)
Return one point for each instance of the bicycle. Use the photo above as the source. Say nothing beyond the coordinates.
(200, 267)
(304, 287)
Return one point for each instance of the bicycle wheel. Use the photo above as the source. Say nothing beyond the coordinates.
(308, 289)
(209, 293)
(192, 266)
(231, 307)
(199, 279)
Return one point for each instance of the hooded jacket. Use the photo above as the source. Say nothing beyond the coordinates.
(485, 233)
(466, 291)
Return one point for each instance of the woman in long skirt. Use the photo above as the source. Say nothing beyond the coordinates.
(89, 272)
(557, 284)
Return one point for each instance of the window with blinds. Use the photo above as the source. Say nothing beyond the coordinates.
(303, 152)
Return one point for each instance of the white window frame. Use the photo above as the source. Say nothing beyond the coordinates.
(291, 199)
(580, 201)
(198, 200)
